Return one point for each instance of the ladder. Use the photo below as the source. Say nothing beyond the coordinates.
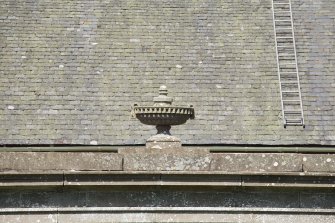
(288, 73)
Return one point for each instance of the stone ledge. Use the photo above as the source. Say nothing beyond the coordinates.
(51, 161)
(319, 162)
(166, 162)
(256, 162)
(168, 159)
(182, 151)
(107, 215)
(148, 160)
(165, 209)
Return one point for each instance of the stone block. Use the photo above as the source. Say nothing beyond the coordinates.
(18, 179)
(46, 161)
(141, 198)
(31, 218)
(52, 198)
(319, 163)
(296, 180)
(187, 216)
(167, 160)
(256, 162)
(162, 145)
(10, 199)
(322, 200)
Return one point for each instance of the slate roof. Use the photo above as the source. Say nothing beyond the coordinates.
(70, 70)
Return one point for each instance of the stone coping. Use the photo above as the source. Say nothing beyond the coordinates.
(212, 148)
(180, 167)
(193, 160)
(169, 209)
(167, 173)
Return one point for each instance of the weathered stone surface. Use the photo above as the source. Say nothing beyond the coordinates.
(157, 197)
(197, 217)
(47, 161)
(15, 178)
(297, 180)
(10, 199)
(256, 162)
(230, 192)
(147, 204)
(166, 160)
(31, 218)
(179, 151)
(73, 71)
(242, 198)
(319, 163)
(315, 199)
(162, 144)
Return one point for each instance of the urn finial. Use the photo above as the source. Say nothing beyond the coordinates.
(162, 114)
(163, 99)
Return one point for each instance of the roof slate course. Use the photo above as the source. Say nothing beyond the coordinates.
(71, 70)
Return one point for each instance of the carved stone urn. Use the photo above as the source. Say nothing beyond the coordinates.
(163, 115)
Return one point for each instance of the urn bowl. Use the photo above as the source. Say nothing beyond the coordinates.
(152, 115)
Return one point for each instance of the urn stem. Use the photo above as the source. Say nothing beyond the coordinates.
(163, 129)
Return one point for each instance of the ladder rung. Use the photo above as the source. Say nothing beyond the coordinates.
(291, 101)
(282, 20)
(290, 91)
(292, 112)
(284, 28)
(289, 82)
(291, 121)
(285, 37)
(287, 60)
(294, 122)
(287, 72)
(287, 77)
(287, 64)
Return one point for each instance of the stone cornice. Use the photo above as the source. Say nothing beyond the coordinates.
(166, 179)
(181, 167)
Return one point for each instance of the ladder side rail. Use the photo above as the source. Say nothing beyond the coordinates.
(278, 66)
(296, 64)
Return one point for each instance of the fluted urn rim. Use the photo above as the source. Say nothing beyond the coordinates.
(169, 115)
